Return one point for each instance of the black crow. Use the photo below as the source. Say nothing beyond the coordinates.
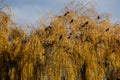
(113, 46)
(70, 34)
(113, 51)
(71, 21)
(66, 13)
(60, 37)
(48, 28)
(83, 71)
(107, 30)
(106, 64)
(85, 23)
(98, 17)
(24, 41)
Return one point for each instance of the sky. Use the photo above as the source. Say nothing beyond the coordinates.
(29, 11)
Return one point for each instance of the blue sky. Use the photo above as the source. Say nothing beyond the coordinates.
(28, 11)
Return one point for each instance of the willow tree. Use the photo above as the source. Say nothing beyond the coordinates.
(78, 44)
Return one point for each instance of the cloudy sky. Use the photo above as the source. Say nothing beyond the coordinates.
(28, 11)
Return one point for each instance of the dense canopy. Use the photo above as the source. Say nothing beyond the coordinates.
(79, 44)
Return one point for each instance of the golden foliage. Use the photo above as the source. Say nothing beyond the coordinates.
(73, 47)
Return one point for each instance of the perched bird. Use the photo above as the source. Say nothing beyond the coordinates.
(113, 46)
(76, 37)
(71, 21)
(83, 71)
(118, 41)
(70, 34)
(48, 28)
(98, 17)
(107, 30)
(60, 37)
(113, 51)
(66, 13)
(85, 23)
(24, 41)
(106, 64)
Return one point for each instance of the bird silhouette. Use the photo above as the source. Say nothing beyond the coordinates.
(85, 23)
(60, 37)
(107, 30)
(98, 17)
(71, 21)
(113, 51)
(24, 41)
(48, 28)
(70, 34)
(66, 13)
(106, 64)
